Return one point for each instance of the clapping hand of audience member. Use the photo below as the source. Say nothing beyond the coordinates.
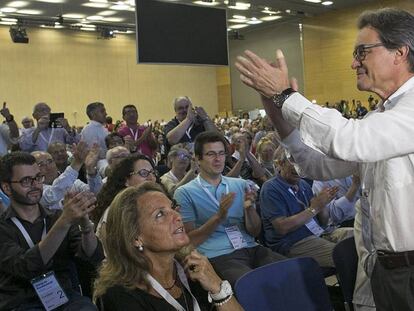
(250, 196)
(201, 113)
(147, 132)
(79, 152)
(225, 203)
(92, 159)
(242, 147)
(77, 206)
(5, 111)
(356, 180)
(324, 197)
(268, 79)
(194, 166)
(191, 113)
(64, 123)
(129, 143)
(199, 269)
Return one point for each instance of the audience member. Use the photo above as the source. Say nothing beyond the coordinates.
(219, 213)
(140, 272)
(95, 132)
(143, 140)
(179, 160)
(266, 156)
(59, 154)
(37, 245)
(40, 137)
(187, 123)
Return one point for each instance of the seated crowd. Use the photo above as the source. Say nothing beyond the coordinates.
(169, 215)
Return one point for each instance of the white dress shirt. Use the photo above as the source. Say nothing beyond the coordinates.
(95, 132)
(380, 146)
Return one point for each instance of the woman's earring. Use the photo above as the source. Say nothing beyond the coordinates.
(141, 248)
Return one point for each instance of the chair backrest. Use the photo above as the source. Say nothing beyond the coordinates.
(345, 258)
(294, 284)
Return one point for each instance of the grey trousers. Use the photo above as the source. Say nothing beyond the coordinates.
(318, 248)
(393, 289)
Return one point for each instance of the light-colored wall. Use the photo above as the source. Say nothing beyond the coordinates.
(328, 45)
(264, 42)
(69, 69)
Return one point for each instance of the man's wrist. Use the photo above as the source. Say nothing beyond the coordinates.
(9, 118)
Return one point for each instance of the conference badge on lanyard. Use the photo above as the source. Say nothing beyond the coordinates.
(49, 291)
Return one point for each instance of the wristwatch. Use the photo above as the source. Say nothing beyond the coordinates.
(279, 99)
(225, 291)
(312, 211)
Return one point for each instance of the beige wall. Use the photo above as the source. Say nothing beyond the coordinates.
(264, 42)
(69, 69)
(328, 45)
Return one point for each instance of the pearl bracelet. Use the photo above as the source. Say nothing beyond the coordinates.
(222, 302)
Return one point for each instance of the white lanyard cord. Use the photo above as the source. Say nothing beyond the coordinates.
(167, 296)
(209, 193)
(26, 234)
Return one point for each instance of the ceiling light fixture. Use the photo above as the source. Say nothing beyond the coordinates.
(106, 33)
(96, 5)
(240, 6)
(73, 15)
(120, 6)
(29, 12)
(8, 10)
(327, 3)
(313, 1)
(207, 2)
(238, 26)
(17, 4)
(271, 18)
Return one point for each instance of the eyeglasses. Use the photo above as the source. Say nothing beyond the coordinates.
(360, 51)
(28, 181)
(145, 173)
(45, 162)
(183, 156)
(213, 154)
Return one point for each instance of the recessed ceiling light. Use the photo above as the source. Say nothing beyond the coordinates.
(212, 3)
(313, 1)
(327, 3)
(269, 11)
(236, 20)
(96, 5)
(52, 27)
(87, 29)
(52, 1)
(17, 4)
(124, 32)
(100, 1)
(120, 6)
(94, 18)
(113, 19)
(7, 23)
(30, 12)
(254, 21)
(130, 2)
(239, 16)
(238, 26)
(107, 13)
(5, 19)
(8, 10)
(73, 15)
(271, 18)
(240, 6)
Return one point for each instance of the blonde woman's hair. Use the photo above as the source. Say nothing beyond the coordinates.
(262, 143)
(125, 265)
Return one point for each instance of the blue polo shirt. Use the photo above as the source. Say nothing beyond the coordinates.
(198, 207)
(276, 200)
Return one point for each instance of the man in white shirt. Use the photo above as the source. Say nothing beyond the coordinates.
(95, 132)
(380, 146)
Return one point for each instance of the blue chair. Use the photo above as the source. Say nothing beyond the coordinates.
(345, 258)
(294, 284)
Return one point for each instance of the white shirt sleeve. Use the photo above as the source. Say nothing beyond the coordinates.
(379, 136)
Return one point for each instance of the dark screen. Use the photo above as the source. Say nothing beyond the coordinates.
(178, 33)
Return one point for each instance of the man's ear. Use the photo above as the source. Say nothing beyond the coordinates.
(401, 54)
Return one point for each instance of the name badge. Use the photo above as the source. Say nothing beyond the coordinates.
(235, 237)
(313, 226)
(49, 291)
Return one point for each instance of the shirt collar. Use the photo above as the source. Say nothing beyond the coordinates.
(95, 123)
(206, 184)
(390, 102)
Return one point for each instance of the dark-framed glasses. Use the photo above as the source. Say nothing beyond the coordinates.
(361, 50)
(28, 181)
(145, 173)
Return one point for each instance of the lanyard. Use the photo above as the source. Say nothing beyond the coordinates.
(173, 176)
(166, 295)
(132, 132)
(209, 193)
(304, 204)
(50, 137)
(24, 232)
(188, 132)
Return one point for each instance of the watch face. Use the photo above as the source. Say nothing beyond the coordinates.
(279, 99)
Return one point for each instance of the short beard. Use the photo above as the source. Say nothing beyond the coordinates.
(24, 200)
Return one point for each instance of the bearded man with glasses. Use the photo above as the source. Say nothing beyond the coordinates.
(37, 245)
(380, 147)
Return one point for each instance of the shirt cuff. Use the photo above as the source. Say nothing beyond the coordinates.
(294, 107)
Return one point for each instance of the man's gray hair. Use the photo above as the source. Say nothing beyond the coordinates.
(395, 28)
